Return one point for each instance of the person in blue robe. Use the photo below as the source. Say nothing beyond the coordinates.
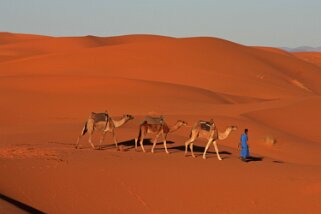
(244, 147)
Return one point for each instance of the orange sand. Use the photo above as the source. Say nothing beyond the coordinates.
(49, 85)
(311, 57)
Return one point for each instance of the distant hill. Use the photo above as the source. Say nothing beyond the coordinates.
(302, 49)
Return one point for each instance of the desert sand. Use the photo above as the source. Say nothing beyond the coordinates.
(49, 86)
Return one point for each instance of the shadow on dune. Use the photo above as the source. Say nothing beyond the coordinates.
(20, 205)
(130, 144)
(61, 143)
(253, 158)
(198, 149)
(276, 161)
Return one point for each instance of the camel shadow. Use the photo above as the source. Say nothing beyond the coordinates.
(130, 144)
(61, 143)
(198, 149)
(20, 205)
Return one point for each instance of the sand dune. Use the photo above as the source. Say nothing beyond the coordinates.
(49, 85)
(271, 73)
(17, 46)
(311, 57)
(7, 38)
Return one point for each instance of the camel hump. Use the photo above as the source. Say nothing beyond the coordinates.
(99, 117)
(153, 120)
(207, 125)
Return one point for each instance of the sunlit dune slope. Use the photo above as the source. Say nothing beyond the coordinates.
(311, 57)
(208, 63)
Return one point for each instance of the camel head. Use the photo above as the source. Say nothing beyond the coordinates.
(128, 117)
(181, 123)
(178, 125)
(232, 128)
(227, 132)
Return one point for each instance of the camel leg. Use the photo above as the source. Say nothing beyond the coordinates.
(136, 140)
(142, 141)
(165, 144)
(154, 143)
(102, 137)
(90, 140)
(188, 143)
(191, 148)
(216, 150)
(115, 140)
(78, 140)
(206, 148)
(186, 146)
(80, 136)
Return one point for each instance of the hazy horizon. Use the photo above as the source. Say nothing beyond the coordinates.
(281, 23)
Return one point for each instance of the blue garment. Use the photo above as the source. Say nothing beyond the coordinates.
(245, 153)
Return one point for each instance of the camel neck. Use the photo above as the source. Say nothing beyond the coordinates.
(175, 127)
(225, 134)
(120, 122)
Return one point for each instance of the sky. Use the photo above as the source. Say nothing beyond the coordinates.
(278, 23)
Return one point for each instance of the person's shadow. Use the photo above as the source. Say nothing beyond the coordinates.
(254, 159)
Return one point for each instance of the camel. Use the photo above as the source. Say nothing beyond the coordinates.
(207, 130)
(102, 122)
(156, 125)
